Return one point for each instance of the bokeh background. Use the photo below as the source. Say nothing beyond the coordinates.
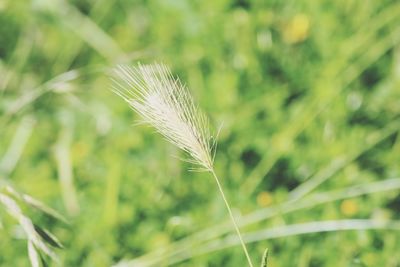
(308, 96)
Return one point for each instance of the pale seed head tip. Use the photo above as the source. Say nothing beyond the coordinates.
(166, 104)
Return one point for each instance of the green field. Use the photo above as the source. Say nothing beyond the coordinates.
(306, 95)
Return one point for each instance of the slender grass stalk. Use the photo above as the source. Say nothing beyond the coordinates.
(64, 166)
(232, 217)
(166, 104)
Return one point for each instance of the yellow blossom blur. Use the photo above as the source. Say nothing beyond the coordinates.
(349, 207)
(264, 199)
(297, 29)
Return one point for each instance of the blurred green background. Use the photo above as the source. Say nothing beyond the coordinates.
(308, 96)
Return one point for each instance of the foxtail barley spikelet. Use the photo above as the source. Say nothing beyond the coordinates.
(166, 104)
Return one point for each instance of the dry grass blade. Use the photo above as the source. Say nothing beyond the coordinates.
(37, 243)
(13, 154)
(33, 255)
(288, 231)
(35, 203)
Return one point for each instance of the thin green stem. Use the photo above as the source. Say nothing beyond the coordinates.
(232, 218)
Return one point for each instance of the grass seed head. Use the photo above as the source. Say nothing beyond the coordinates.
(166, 104)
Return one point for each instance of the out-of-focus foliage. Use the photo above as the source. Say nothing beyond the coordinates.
(308, 93)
